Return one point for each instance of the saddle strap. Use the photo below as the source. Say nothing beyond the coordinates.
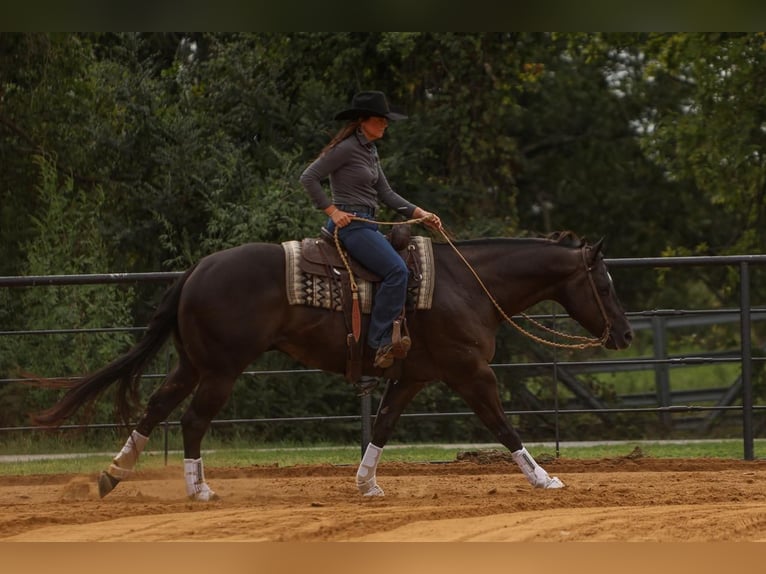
(353, 318)
(353, 359)
(356, 315)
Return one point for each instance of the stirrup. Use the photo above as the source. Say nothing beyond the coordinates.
(366, 384)
(385, 355)
(401, 349)
(400, 338)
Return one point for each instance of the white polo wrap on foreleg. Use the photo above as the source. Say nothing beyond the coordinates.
(122, 464)
(196, 487)
(365, 475)
(536, 475)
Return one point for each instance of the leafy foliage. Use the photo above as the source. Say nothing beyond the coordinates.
(68, 242)
(146, 151)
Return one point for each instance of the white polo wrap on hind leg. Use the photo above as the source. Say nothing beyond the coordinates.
(536, 475)
(196, 487)
(122, 464)
(365, 475)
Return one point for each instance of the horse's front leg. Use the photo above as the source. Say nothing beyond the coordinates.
(396, 397)
(481, 394)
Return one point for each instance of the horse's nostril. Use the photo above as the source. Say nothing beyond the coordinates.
(628, 336)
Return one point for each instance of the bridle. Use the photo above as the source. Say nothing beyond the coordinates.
(578, 341)
(597, 296)
(582, 342)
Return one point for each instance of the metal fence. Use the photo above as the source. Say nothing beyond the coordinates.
(657, 320)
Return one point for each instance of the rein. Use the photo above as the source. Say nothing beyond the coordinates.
(356, 317)
(584, 342)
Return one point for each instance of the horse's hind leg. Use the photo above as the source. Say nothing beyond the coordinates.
(395, 398)
(480, 393)
(178, 385)
(211, 395)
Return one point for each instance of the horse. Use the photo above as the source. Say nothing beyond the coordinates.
(231, 307)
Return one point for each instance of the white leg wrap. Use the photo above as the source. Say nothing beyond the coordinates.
(196, 487)
(122, 464)
(535, 474)
(365, 475)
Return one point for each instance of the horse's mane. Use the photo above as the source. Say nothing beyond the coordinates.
(567, 238)
(563, 238)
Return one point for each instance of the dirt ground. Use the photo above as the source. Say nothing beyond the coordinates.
(478, 498)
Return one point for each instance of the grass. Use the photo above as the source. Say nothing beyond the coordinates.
(682, 342)
(287, 455)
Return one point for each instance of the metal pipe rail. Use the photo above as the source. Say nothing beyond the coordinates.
(746, 316)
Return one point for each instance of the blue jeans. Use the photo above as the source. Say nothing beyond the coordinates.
(369, 247)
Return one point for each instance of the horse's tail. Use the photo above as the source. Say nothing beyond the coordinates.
(126, 368)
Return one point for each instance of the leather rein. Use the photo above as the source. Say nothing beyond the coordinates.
(580, 342)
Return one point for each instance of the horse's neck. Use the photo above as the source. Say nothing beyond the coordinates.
(520, 274)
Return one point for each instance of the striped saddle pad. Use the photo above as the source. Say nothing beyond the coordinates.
(318, 290)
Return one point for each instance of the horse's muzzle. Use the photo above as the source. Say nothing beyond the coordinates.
(618, 341)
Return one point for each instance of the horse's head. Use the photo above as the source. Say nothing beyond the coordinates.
(589, 297)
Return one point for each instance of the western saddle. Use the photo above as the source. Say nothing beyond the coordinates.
(320, 256)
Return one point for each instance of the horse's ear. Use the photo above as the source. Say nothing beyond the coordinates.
(595, 249)
(598, 245)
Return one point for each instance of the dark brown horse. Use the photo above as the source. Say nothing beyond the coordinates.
(231, 307)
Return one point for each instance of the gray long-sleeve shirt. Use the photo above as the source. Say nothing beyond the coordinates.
(356, 177)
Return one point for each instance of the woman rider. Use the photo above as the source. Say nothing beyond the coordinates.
(358, 187)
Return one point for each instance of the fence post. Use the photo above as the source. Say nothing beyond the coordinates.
(661, 370)
(747, 383)
(557, 430)
(166, 425)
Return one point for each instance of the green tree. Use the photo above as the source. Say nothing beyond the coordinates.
(68, 242)
(711, 139)
(167, 146)
(702, 125)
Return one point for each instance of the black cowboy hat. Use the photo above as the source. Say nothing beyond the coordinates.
(365, 104)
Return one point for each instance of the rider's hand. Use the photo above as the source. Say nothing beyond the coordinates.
(340, 218)
(430, 219)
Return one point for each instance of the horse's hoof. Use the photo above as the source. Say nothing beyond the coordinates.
(106, 483)
(374, 491)
(554, 482)
(203, 494)
(204, 497)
